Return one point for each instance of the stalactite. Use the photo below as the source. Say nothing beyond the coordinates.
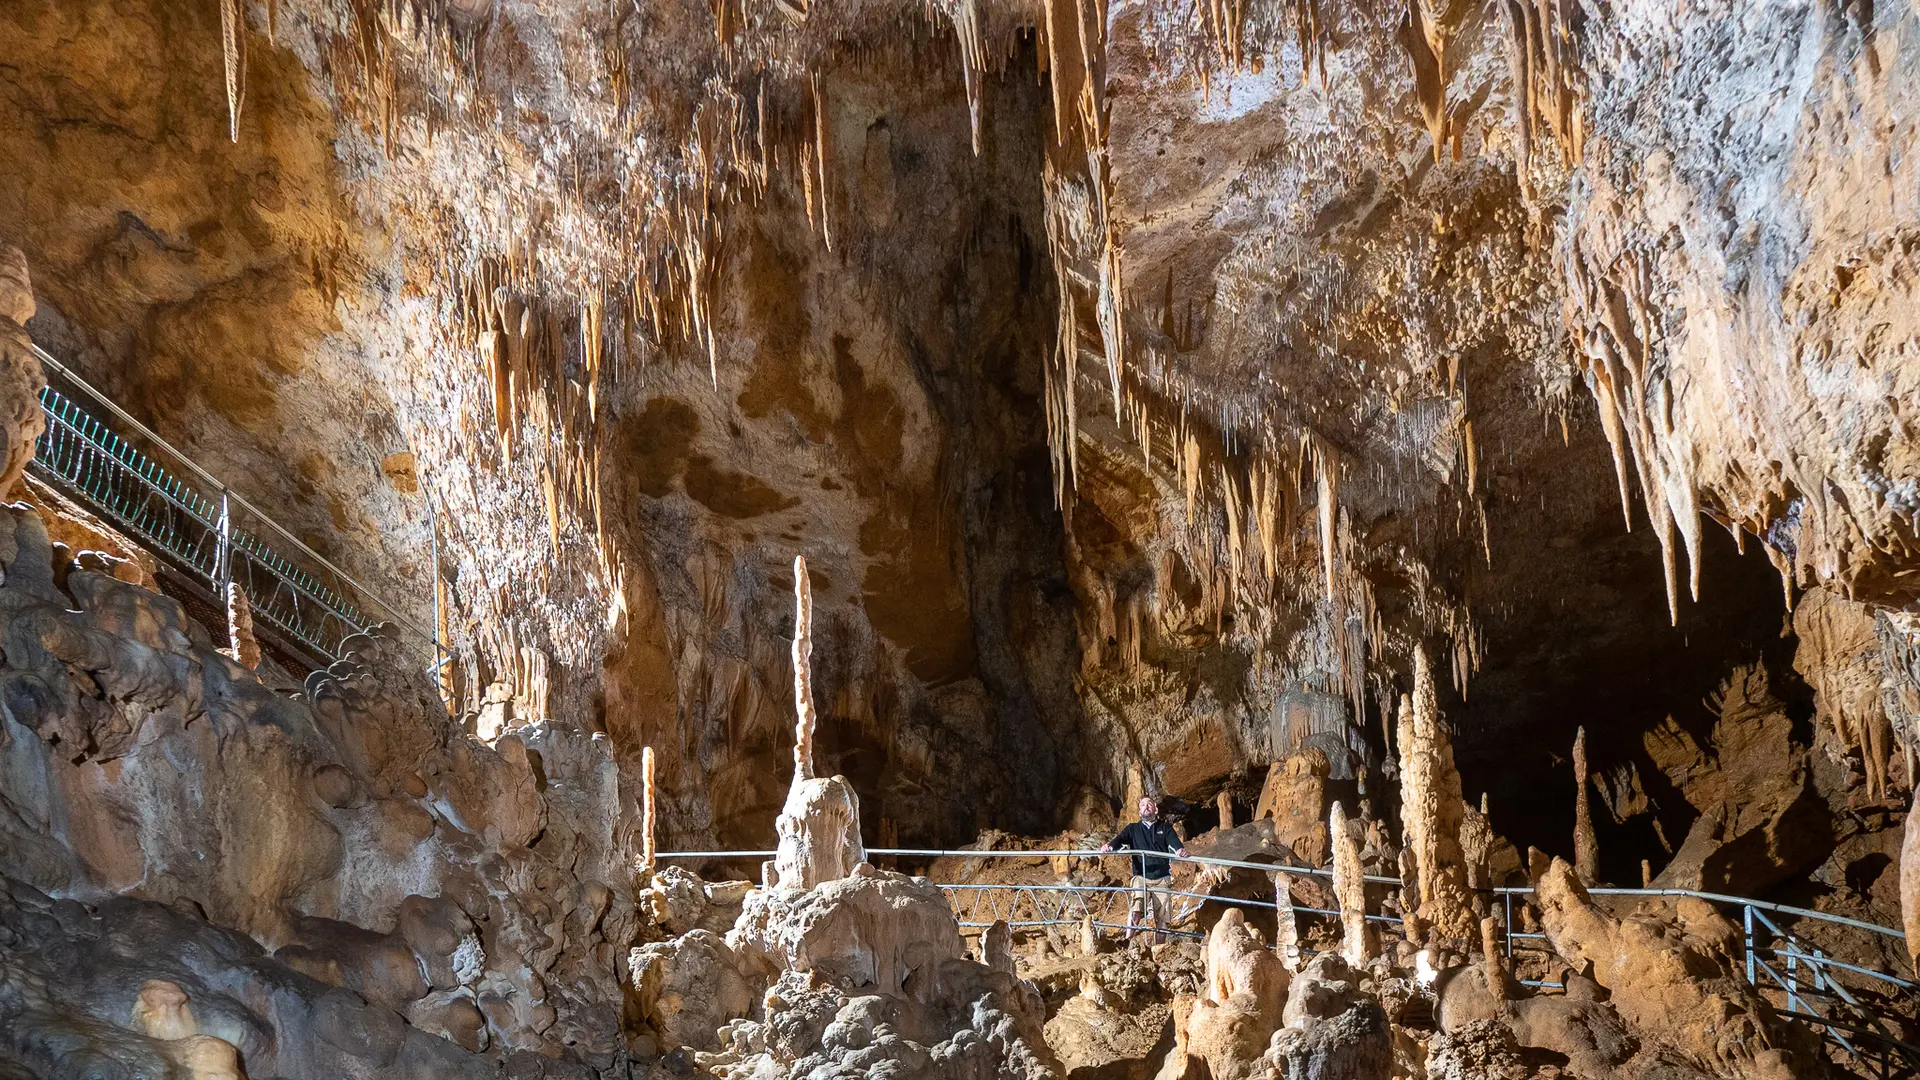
(825, 146)
(1327, 481)
(233, 47)
(1190, 475)
(968, 30)
(1350, 888)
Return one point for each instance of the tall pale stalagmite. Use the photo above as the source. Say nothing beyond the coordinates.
(649, 821)
(1431, 808)
(819, 825)
(1910, 882)
(1586, 847)
(1287, 933)
(242, 645)
(805, 717)
(1350, 888)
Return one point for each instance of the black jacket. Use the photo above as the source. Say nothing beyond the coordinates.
(1141, 836)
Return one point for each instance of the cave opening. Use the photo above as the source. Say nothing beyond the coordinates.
(1598, 651)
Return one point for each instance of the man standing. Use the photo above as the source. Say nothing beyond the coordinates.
(1151, 873)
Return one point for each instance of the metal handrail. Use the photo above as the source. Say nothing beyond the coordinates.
(88, 459)
(147, 433)
(1753, 906)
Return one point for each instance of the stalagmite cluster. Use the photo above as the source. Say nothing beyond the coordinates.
(1162, 394)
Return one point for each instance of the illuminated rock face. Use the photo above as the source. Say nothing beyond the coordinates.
(1154, 397)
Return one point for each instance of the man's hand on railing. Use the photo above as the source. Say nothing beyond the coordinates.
(1106, 849)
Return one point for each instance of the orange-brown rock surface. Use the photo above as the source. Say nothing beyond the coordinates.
(1159, 392)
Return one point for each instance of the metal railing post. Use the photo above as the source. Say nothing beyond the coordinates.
(1748, 910)
(223, 548)
(1793, 981)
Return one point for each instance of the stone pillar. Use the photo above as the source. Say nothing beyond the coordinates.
(1910, 882)
(21, 376)
(1431, 808)
(1287, 934)
(1350, 888)
(819, 825)
(1586, 846)
(1493, 958)
(649, 820)
(242, 645)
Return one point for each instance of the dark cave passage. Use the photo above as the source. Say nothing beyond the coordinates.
(1598, 651)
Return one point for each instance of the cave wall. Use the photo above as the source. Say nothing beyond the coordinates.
(1145, 390)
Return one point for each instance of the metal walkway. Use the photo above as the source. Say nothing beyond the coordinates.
(209, 535)
(1852, 1006)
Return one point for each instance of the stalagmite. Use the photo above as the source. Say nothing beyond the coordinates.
(1910, 882)
(1492, 957)
(1586, 847)
(996, 947)
(649, 816)
(242, 645)
(819, 825)
(1287, 934)
(1225, 803)
(802, 671)
(1350, 887)
(1431, 808)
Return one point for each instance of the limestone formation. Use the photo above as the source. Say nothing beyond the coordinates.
(162, 1011)
(1332, 1029)
(1294, 797)
(21, 376)
(649, 823)
(996, 947)
(1357, 942)
(1663, 971)
(242, 645)
(1910, 882)
(1288, 922)
(1586, 848)
(819, 826)
(1431, 808)
(1228, 1025)
(1155, 389)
